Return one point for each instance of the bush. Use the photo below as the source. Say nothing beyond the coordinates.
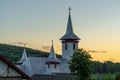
(117, 77)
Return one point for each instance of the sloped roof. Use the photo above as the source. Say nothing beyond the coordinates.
(39, 67)
(69, 31)
(25, 76)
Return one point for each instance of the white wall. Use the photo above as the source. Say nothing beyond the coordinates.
(52, 69)
(69, 52)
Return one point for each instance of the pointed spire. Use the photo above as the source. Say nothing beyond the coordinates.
(52, 54)
(52, 57)
(24, 57)
(69, 24)
(69, 32)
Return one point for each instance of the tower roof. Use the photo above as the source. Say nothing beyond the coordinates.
(69, 32)
(52, 54)
(52, 57)
(24, 57)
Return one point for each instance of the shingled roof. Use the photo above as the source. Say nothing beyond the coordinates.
(69, 32)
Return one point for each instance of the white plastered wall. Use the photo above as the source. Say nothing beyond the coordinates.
(69, 52)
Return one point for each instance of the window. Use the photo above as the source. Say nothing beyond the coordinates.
(65, 46)
(55, 66)
(74, 46)
(48, 65)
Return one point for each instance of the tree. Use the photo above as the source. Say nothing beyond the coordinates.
(117, 77)
(80, 64)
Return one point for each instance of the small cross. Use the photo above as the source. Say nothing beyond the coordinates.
(52, 42)
(24, 45)
(69, 9)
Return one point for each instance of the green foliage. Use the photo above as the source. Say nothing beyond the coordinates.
(103, 76)
(70, 78)
(14, 53)
(117, 77)
(106, 67)
(80, 64)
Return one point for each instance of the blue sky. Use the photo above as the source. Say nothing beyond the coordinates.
(37, 22)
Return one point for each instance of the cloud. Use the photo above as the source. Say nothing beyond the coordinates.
(45, 48)
(57, 49)
(20, 43)
(95, 51)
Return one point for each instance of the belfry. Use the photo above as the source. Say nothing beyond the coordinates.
(69, 40)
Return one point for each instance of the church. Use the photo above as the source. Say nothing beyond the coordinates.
(52, 64)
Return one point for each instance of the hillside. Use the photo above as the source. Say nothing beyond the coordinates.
(14, 53)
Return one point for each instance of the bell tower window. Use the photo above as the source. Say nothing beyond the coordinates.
(48, 65)
(73, 46)
(65, 46)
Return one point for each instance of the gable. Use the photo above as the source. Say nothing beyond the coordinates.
(9, 70)
(6, 70)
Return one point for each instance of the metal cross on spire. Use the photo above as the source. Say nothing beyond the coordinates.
(24, 45)
(69, 9)
(52, 42)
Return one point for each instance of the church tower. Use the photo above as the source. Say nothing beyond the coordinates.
(69, 40)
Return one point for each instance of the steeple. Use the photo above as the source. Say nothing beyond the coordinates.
(69, 40)
(24, 57)
(69, 32)
(52, 57)
(52, 54)
(69, 24)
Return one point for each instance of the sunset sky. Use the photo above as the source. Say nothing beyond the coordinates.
(37, 22)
